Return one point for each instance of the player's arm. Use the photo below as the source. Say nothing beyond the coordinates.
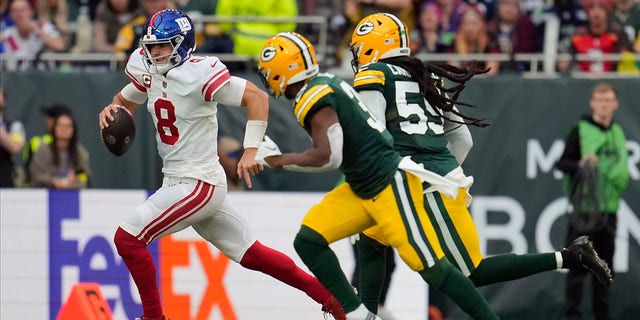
(459, 139)
(240, 92)
(129, 97)
(376, 103)
(326, 153)
(369, 84)
(257, 103)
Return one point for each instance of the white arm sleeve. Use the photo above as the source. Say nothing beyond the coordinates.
(334, 133)
(458, 137)
(231, 93)
(131, 93)
(374, 100)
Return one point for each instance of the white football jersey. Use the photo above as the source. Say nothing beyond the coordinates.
(184, 114)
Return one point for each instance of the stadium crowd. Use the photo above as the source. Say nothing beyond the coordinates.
(593, 27)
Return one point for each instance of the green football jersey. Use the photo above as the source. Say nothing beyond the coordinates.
(417, 129)
(368, 159)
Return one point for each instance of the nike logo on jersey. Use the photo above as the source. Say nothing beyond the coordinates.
(213, 65)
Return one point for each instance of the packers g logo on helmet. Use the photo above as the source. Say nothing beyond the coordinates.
(268, 53)
(379, 36)
(364, 28)
(286, 58)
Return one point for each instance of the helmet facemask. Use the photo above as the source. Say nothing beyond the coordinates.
(274, 92)
(173, 58)
(356, 51)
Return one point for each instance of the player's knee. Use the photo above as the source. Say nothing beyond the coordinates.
(308, 241)
(126, 243)
(371, 244)
(436, 274)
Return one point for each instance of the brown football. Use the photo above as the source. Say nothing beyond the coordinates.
(119, 135)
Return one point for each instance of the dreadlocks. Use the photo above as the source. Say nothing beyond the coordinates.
(429, 77)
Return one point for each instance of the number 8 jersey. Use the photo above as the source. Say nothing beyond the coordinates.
(184, 114)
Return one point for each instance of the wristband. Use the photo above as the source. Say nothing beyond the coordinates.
(254, 133)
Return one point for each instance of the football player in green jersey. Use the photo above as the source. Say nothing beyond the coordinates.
(381, 189)
(427, 127)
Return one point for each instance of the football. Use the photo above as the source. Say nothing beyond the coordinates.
(119, 135)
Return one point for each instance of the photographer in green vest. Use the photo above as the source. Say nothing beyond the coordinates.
(594, 162)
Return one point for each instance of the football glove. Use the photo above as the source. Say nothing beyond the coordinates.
(267, 148)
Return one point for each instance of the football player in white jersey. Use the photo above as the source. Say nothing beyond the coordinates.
(182, 93)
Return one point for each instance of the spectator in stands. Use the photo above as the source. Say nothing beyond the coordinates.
(130, 33)
(363, 8)
(11, 142)
(513, 32)
(485, 6)
(600, 39)
(573, 20)
(110, 17)
(449, 14)
(27, 38)
(626, 14)
(430, 39)
(472, 37)
(248, 36)
(50, 112)
(355, 10)
(5, 20)
(64, 163)
(55, 12)
(535, 9)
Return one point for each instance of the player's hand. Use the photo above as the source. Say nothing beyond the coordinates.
(248, 166)
(266, 149)
(105, 115)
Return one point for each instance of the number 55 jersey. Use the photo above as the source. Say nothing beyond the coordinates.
(417, 129)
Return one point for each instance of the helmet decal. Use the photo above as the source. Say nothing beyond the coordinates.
(184, 24)
(364, 28)
(268, 53)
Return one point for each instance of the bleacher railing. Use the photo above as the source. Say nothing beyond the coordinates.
(540, 64)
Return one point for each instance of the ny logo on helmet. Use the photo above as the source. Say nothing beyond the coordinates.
(184, 24)
(268, 53)
(365, 28)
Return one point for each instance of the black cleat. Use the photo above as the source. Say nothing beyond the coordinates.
(582, 250)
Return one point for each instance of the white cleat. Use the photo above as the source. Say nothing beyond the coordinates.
(385, 313)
